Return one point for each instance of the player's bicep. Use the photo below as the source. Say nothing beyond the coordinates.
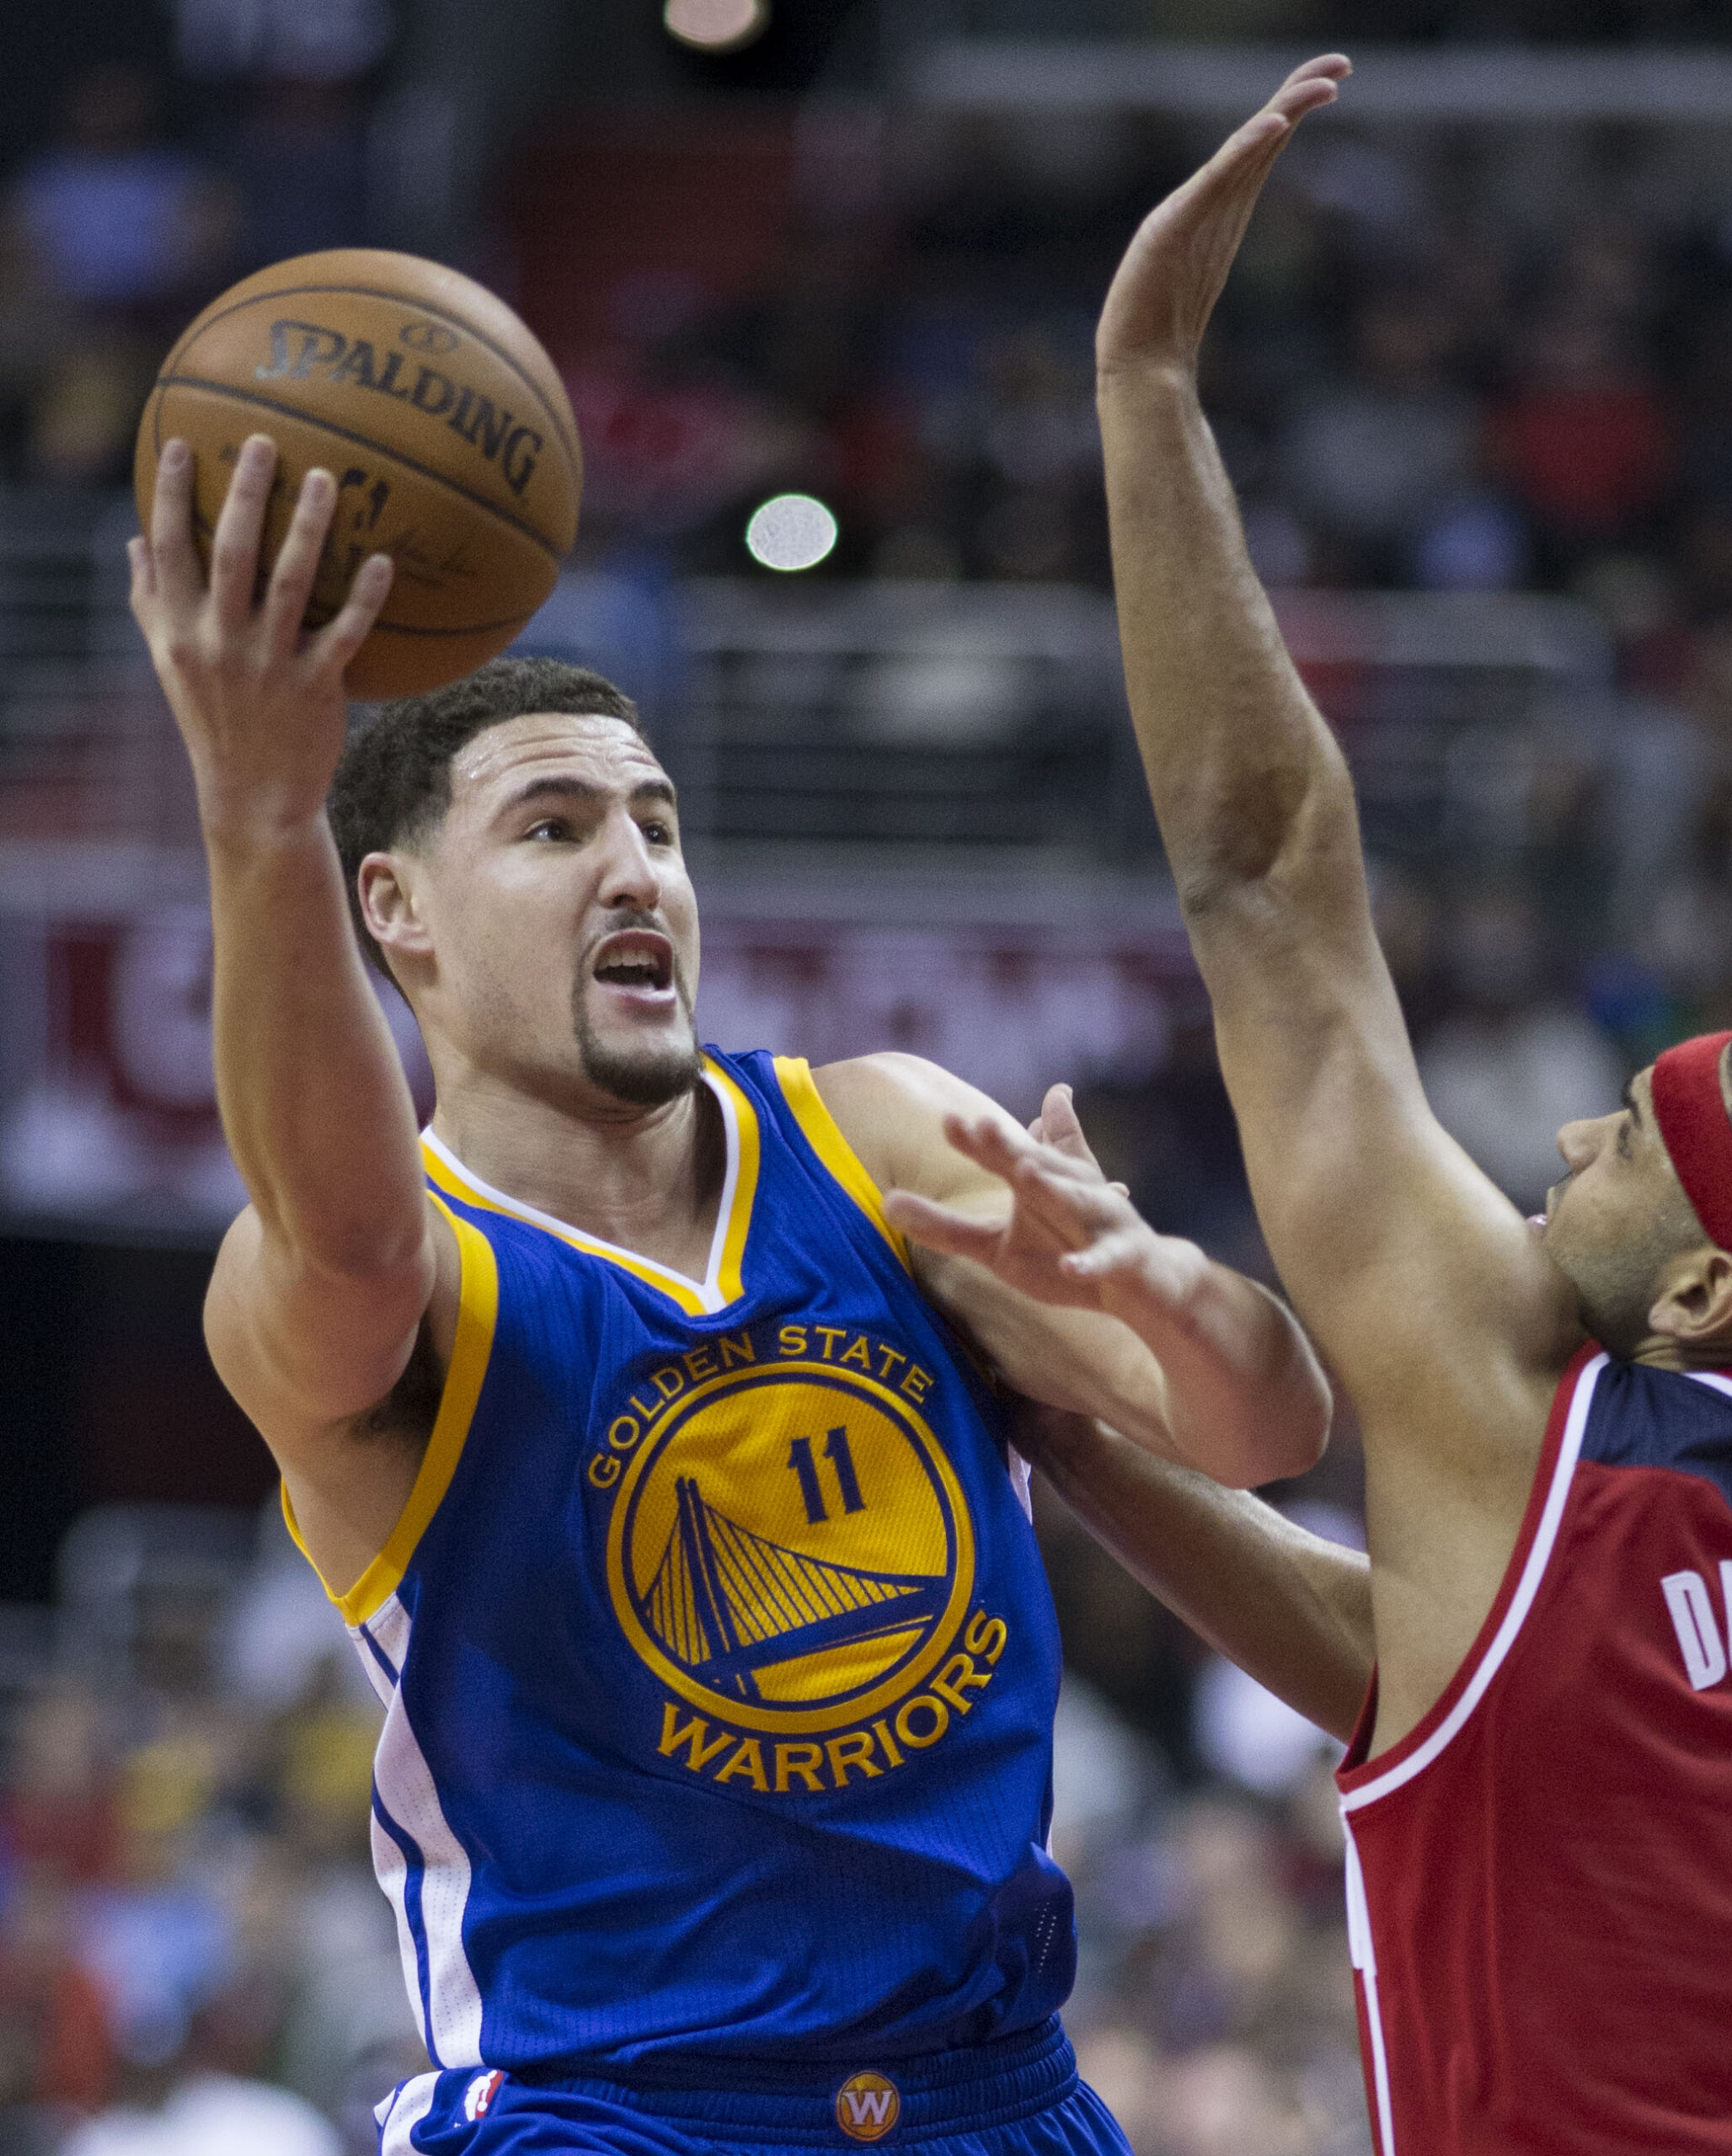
(1386, 1233)
(302, 1351)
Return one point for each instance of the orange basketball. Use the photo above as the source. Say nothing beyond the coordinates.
(442, 419)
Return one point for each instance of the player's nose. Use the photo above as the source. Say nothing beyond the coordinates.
(630, 876)
(1579, 1141)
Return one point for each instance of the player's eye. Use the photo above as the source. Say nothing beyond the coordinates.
(549, 828)
(657, 832)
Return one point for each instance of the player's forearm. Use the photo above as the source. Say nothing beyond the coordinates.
(314, 1102)
(1078, 1361)
(1293, 1610)
(1249, 788)
(1245, 1398)
(1207, 1368)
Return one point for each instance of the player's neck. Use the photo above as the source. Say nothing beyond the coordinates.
(648, 1180)
(1657, 1353)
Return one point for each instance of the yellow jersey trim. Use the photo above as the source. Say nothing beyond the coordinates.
(723, 1284)
(728, 1262)
(478, 1313)
(824, 1135)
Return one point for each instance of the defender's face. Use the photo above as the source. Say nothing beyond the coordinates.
(1618, 1172)
(559, 910)
(1620, 1216)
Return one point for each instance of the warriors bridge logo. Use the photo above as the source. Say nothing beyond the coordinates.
(790, 1551)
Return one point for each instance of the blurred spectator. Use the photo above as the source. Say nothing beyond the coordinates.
(1368, 458)
(195, 1958)
(123, 233)
(117, 217)
(58, 1812)
(1584, 440)
(298, 41)
(209, 2114)
(56, 2052)
(298, 163)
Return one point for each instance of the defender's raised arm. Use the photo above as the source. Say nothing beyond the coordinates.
(1354, 1182)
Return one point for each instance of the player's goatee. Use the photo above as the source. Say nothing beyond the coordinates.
(649, 1077)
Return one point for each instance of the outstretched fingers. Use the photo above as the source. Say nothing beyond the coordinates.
(240, 527)
(1059, 1126)
(292, 578)
(143, 568)
(1161, 300)
(1243, 163)
(942, 1227)
(176, 575)
(1313, 82)
(1122, 1249)
(1072, 1209)
(989, 1142)
(337, 643)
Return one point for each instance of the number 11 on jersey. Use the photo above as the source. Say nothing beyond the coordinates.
(811, 1489)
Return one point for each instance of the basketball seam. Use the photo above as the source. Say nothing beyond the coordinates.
(318, 421)
(568, 444)
(468, 629)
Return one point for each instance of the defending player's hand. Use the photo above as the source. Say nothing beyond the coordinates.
(1071, 1237)
(1166, 288)
(259, 700)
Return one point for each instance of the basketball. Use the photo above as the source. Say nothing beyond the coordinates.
(438, 413)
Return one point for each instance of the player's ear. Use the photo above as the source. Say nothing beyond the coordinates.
(1694, 1305)
(386, 885)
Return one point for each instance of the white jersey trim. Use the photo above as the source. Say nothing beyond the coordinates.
(707, 1292)
(400, 2114)
(426, 1882)
(1363, 1955)
(1533, 1572)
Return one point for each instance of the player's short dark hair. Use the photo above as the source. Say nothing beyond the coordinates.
(392, 782)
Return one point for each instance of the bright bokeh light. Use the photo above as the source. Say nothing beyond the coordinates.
(790, 531)
(715, 25)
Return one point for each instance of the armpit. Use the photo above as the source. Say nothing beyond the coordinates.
(410, 1408)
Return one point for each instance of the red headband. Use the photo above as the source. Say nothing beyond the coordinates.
(1691, 1111)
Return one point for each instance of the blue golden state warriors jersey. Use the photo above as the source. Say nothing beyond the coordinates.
(718, 1656)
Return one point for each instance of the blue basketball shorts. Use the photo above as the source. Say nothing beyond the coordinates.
(1018, 2097)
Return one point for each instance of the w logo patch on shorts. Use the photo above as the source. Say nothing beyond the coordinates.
(868, 2105)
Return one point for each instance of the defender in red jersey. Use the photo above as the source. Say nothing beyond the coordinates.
(1539, 1800)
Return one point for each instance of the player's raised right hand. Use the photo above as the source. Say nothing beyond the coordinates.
(259, 700)
(1165, 291)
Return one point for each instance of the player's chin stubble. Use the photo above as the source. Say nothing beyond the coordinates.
(648, 1077)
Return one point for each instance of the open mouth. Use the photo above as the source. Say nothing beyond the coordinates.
(636, 960)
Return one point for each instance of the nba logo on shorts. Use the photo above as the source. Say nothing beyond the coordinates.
(477, 2097)
(868, 2105)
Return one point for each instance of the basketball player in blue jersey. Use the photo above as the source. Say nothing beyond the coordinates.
(646, 1463)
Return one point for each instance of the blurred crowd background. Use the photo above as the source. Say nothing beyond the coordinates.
(1473, 379)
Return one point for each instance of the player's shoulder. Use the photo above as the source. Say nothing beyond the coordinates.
(890, 1106)
(1641, 1416)
(891, 1075)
